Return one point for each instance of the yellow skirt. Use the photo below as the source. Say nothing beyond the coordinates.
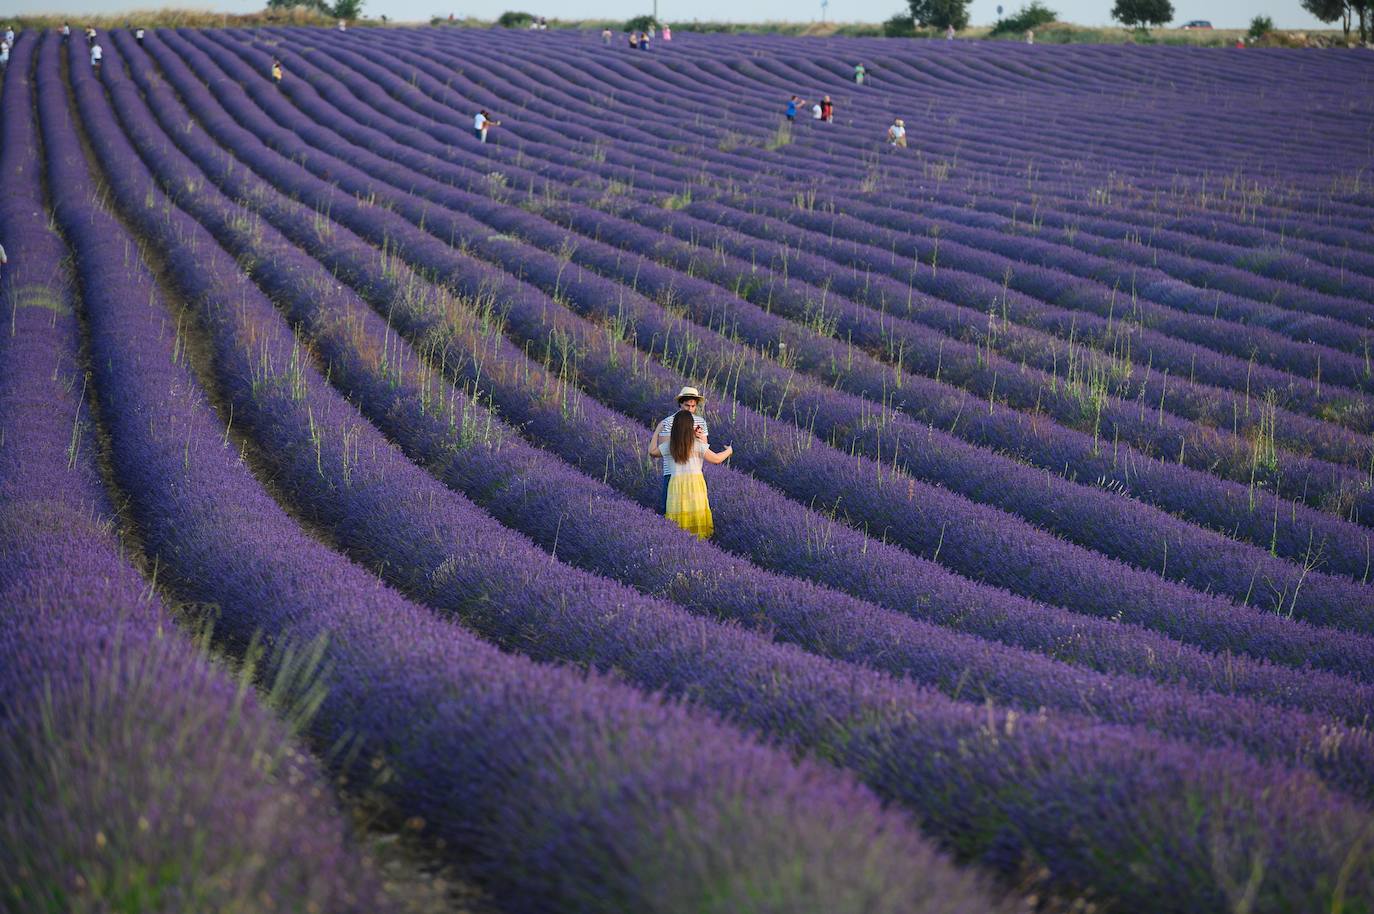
(688, 506)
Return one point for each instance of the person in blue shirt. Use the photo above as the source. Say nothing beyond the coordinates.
(792, 104)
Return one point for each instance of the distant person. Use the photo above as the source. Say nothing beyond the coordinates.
(543, 24)
(644, 41)
(689, 399)
(949, 32)
(792, 104)
(4, 53)
(634, 40)
(4, 260)
(66, 31)
(684, 454)
(896, 134)
(9, 35)
(817, 113)
(1240, 42)
(667, 33)
(278, 74)
(859, 73)
(481, 123)
(90, 35)
(1030, 36)
(606, 36)
(97, 54)
(343, 26)
(138, 34)
(827, 110)
(651, 32)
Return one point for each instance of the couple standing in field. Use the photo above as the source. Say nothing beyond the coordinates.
(680, 441)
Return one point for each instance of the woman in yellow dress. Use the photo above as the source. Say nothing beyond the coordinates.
(685, 450)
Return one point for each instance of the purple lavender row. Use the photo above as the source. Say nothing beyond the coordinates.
(344, 473)
(134, 770)
(495, 753)
(1208, 560)
(583, 520)
(1289, 430)
(787, 458)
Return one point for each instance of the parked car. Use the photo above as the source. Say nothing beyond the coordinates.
(1196, 24)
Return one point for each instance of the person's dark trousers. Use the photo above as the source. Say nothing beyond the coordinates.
(663, 502)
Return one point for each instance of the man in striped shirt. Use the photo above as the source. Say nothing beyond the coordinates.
(689, 398)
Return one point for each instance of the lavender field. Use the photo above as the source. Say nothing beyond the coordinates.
(1043, 572)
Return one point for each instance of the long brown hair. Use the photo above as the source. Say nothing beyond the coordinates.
(683, 436)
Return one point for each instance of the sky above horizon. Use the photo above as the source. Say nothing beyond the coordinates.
(1287, 14)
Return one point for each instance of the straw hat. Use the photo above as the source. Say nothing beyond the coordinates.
(690, 393)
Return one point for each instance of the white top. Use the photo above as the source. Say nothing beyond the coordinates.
(9, 35)
(138, 33)
(896, 131)
(816, 111)
(97, 52)
(693, 464)
(66, 30)
(665, 430)
(479, 122)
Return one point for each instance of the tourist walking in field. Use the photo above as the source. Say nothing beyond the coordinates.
(949, 32)
(9, 35)
(277, 72)
(1030, 36)
(667, 33)
(481, 124)
(792, 104)
(97, 54)
(816, 112)
(684, 454)
(66, 32)
(644, 41)
(606, 36)
(138, 34)
(859, 73)
(827, 110)
(896, 134)
(689, 399)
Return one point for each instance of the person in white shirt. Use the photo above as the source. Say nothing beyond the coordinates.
(4, 53)
(66, 32)
(343, 26)
(9, 36)
(481, 124)
(689, 398)
(97, 53)
(896, 134)
(816, 113)
(949, 32)
(1030, 36)
(3, 260)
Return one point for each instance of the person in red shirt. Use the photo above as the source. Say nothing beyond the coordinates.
(827, 110)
